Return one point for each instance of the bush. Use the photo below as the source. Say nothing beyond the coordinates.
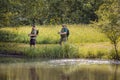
(7, 36)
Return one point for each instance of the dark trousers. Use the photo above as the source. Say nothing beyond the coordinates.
(32, 41)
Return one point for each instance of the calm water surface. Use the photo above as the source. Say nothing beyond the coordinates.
(63, 69)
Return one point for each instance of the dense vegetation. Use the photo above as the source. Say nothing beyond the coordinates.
(24, 12)
(103, 13)
(83, 42)
(109, 22)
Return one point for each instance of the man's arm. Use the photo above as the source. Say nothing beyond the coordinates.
(32, 34)
(63, 33)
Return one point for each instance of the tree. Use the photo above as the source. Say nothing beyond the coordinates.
(5, 12)
(32, 10)
(26, 12)
(109, 22)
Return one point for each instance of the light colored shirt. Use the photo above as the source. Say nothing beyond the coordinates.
(34, 32)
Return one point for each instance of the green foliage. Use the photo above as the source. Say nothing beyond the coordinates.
(9, 12)
(7, 36)
(109, 19)
(26, 12)
(112, 54)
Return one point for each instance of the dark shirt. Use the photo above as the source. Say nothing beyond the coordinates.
(62, 31)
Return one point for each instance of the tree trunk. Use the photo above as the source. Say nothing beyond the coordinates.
(116, 51)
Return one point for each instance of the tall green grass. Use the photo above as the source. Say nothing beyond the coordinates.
(43, 51)
(91, 50)
(48, 34)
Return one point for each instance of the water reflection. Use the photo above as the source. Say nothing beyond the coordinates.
(115, 72)
(33, 74)
(47, 70)
(64, 77)
(3, 76)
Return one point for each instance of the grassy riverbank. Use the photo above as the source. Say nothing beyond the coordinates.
(84, 42)
(84, 50)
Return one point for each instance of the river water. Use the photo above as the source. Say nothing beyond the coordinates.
(61, 69)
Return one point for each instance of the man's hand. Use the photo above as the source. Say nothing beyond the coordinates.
(29, 34)
(58, 32)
